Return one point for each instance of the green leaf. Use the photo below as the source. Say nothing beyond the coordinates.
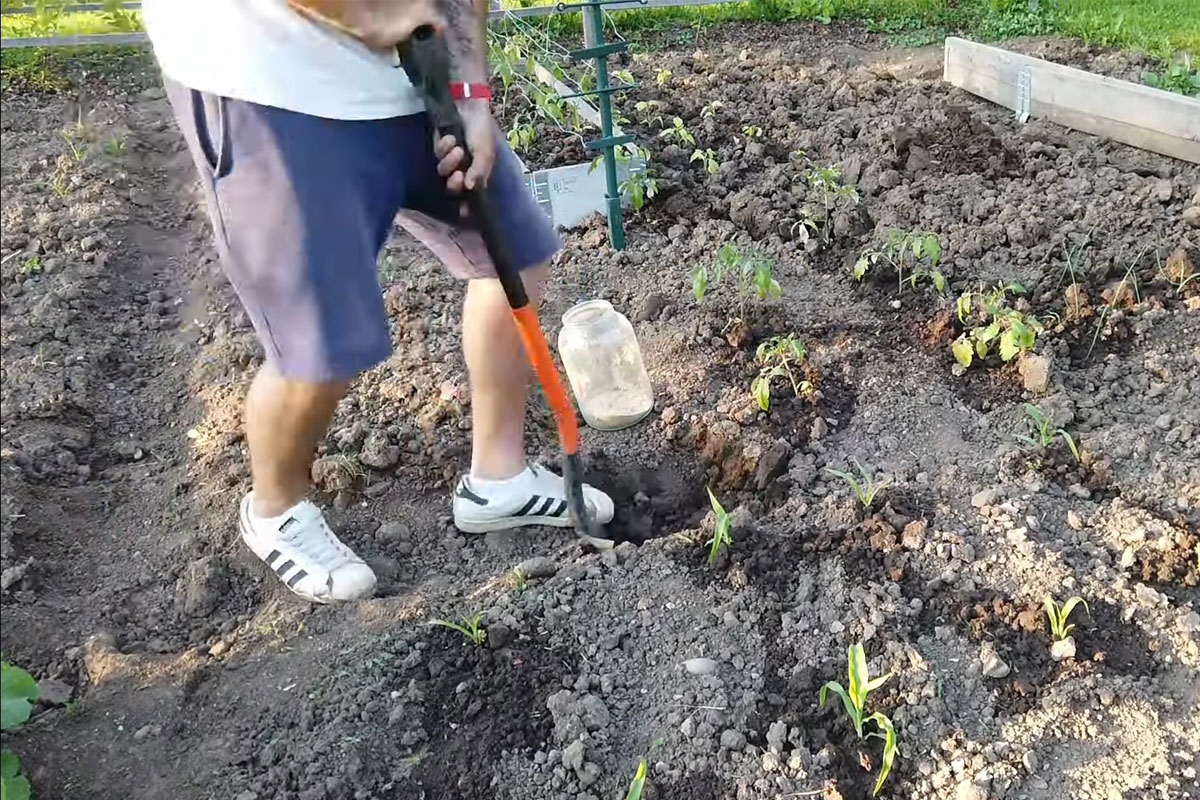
(700, 284)
(875, 683)
(716, 505)
(859, 676)
(760, 388)
(981, 348)
(10, 765)
(1008, 346)
(860, 268)
(1069, 606)
(933, 249)
(639, 782)
(939, 281)
(889, 748)
(964, 353)
(988, 333)
(18, 691)
(15, 788)
(1074, 451)
(846, 701)
(963, 306)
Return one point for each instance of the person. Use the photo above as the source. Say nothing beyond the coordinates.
(309, 140)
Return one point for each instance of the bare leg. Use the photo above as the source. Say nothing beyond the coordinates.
(285, 419)
(499, 373)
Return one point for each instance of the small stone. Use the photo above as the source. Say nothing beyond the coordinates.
(770, 762)
(378, 451)
(1191, 215)
(1074, 521)
(1106, 696)
(498, 635)
(889, 179)
(393, 532)
(1035, 372)
(701, 666)
(819, 429)
(670, 415)
(836, 627)
(573, 754)
(967, 790)
(733, 739)
(142, 732)
(1030, 761)
(984, 498)
(913, 537)
(538, 567)
(1190, 622)
(777, 735)
(219, 648)
(53, 692)
(593, 712)
(992, 666)
(1180, 266)
(1063, 649)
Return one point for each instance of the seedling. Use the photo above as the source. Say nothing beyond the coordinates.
(18, 692)
(677, 133)
(722, 535)
(1058, 615)
(639, 782)
(522, 134)
(470, 627)
(663, 77)
(1046, 432)
(752, 131)
(708, 158)
(710, 109)
(31, 265)
(864, 485)
(1178, 76)
(648, 112)
(912, 256)
(779, 356)
(991, 321)
(832, 196)
(752, 271)
(625, 76)
(855, 702)
(518, 579)
(114, 146)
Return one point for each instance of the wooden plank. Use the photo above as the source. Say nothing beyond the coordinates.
(1162, 122)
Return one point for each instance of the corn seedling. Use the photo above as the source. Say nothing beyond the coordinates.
(832, 196)
(677, 133)
(912, 256)
(779, 356)
(470, 627)
(708, 158)
(1045, 431)
(752, 271)
(1059, 628)
(855, 701)
(662, 77)
(518, 579)
(639, 782)
(864, 485)
(722, 529)
(990, 321)
(18, 692)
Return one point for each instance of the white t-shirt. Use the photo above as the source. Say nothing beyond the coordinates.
(264, 52)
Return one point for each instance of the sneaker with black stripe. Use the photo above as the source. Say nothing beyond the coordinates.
(534, 497)
(308, 557)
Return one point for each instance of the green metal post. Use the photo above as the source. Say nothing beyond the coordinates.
(616, 223)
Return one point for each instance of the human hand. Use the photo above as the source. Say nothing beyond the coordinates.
(481, 142)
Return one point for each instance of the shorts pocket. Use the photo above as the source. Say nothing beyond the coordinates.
(210, 119)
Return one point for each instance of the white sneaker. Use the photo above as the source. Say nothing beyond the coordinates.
(534, 497)
(306, 555)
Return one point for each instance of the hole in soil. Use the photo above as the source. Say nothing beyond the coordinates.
(650, 502)
(503, 709)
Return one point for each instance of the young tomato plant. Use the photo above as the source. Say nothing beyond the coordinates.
(912, 256)
(864, 485)
(708, 158)
(677, 133)
(779, 356)
(825, 185)
(752, 273)
(18, 692)
(722, 530)
(1046, 433)
(662, 77)
(854, 699)
(470, 627)
(990, 320)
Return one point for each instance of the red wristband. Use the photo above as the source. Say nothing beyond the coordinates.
(470, 91)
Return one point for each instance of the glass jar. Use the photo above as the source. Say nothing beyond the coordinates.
(604, 365)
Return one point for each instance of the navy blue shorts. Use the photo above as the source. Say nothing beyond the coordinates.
(302, 205)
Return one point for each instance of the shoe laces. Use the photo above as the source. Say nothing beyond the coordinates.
(314, 539)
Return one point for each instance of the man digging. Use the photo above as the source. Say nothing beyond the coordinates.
(308, 140)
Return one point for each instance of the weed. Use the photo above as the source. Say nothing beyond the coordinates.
(708, 158)
(518, 580)
(832, 196)
(722, 530)
(677, 133)
(58, 184)
(752, 271)
(855, 701)
(779, 356)
(18, 692)
(70, 136)
(1058, 615)
(989, 319)
(1178, 76)
(114, 146)
(31, 265)
(863, 484)
(1046, 432)
(469, 627)
(913, 256)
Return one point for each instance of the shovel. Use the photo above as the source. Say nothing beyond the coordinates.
(427, 62)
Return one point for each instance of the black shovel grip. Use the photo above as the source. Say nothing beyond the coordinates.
(426, 60)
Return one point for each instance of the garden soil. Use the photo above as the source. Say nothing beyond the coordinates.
(174, 665)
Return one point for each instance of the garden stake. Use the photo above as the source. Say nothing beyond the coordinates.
(427, 62)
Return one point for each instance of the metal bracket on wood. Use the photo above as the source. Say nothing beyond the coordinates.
(1024, 94)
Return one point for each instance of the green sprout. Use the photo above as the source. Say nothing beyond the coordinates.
(779, 356)
(31, 265)
(638, 783)
(469, 627)
(989, 319)
(1046, 432)
(825, 183)
(912, 256)
(518, 579)
(752, 131)
(708, 158)
(711, 109)
(752, 270)
(647, 112)
(864, 484)
(855, 701)
(663, 77)
(18, 692)
(677, 133)
(1058, 615)
(722, 536)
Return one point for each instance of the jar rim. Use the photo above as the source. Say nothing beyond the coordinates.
(581, 313)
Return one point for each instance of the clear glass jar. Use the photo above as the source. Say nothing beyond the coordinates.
(604, 365)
